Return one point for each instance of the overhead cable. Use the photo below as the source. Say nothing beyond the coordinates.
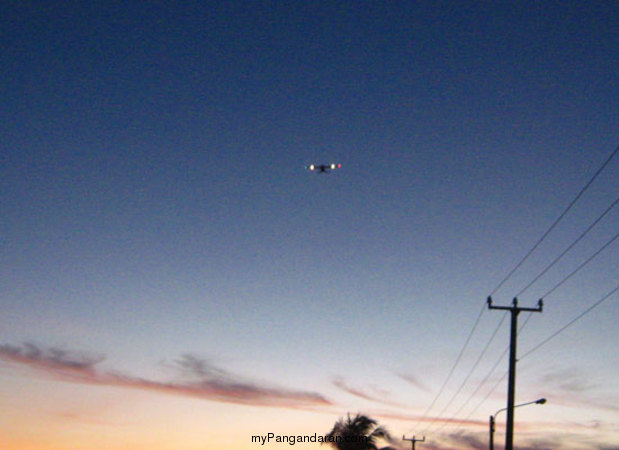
(570, 323)
(453, 368)
(486, 378)
(466, 379)
(581, 266)
(578, 239)
(556, 222)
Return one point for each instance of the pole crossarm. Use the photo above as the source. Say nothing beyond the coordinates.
(515, 307)
(511, 387)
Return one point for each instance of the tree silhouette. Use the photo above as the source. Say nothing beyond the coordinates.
(357, 433)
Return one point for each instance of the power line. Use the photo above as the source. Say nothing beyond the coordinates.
(520, 263)
(453, 368)
(466, 379)
(483, 381)
(481, 384)
(544, 342)
(487, 377)
(578, 239)
(488, 394)
(571, 322)
(587, 261)
(537, 347)
(556, 222)
(572, 273)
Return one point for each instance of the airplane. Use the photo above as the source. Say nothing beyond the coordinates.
(323, 168)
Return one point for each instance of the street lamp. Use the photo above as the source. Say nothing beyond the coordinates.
(540, 401)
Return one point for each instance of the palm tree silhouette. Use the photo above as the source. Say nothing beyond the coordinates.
(357, 433)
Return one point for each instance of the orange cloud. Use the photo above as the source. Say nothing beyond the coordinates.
(207, 381)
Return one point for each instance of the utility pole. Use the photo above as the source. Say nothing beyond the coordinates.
(511, 387)
(413, 440)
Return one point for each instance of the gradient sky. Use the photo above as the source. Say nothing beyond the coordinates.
(171, 277)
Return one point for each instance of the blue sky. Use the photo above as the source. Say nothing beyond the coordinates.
(155, 204)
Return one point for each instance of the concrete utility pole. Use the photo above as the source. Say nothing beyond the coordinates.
(511, 387)
(413, 440)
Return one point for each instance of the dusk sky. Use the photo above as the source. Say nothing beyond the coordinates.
(172, 277)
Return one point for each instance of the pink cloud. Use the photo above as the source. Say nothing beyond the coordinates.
(207, 381)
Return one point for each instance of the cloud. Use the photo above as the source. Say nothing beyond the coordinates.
(468, 440)
(411, 379)
(340, 383)
(53, 360)
(207, 381)
(430, 419)
(572, 387)
(568, 380)
(459, 440)
(556, 441)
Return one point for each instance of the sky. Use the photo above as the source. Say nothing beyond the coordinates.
(173, 277)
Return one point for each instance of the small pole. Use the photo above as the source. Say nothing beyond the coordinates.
(414, 440)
